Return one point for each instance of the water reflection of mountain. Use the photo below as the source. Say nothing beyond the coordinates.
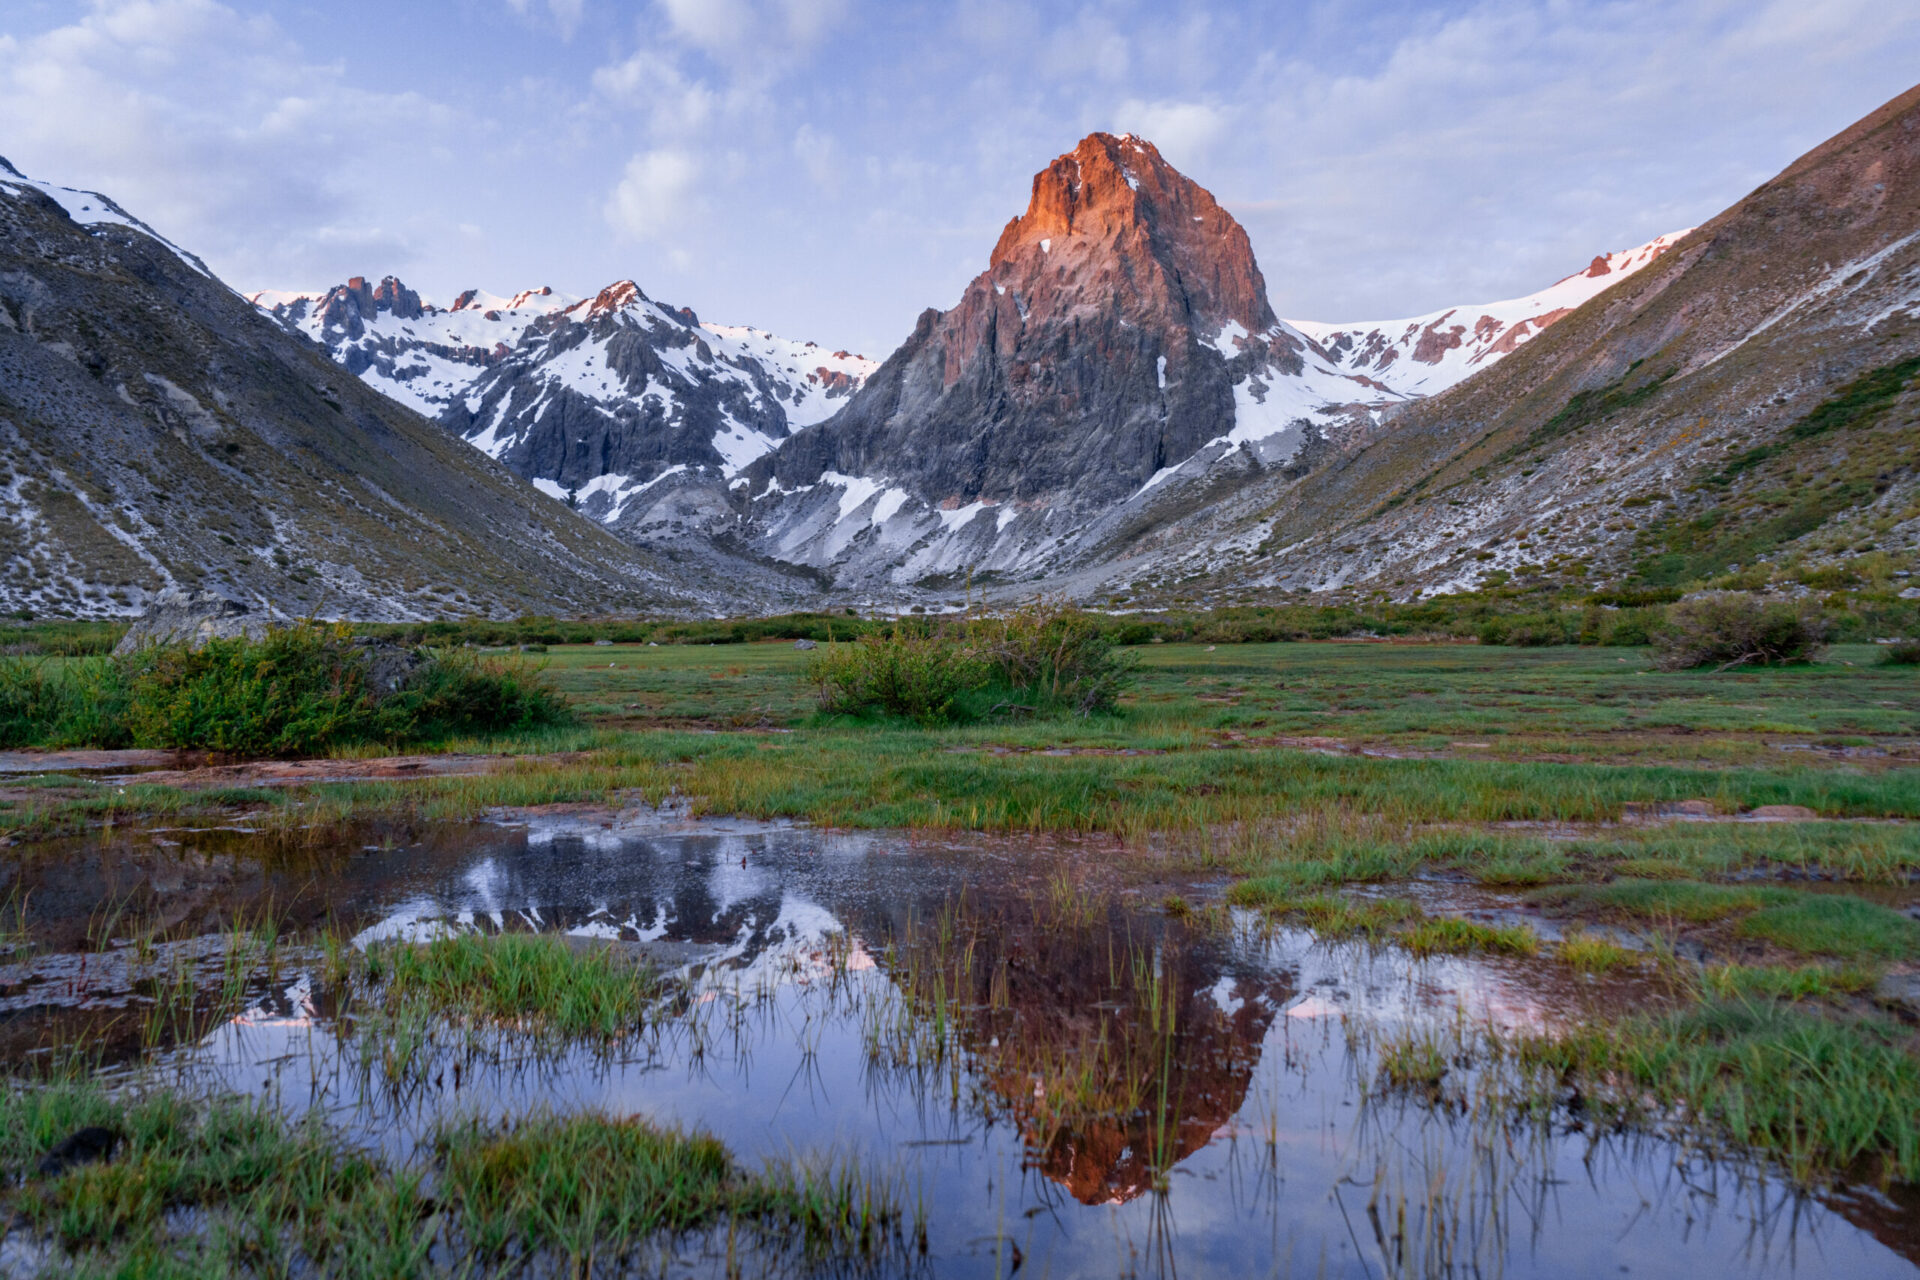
(1119, 1043)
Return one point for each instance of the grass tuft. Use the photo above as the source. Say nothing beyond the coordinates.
(527, 982)
(1820, 1091)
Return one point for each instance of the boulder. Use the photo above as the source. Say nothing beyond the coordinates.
(389, 665)
(804, 644)
(193, 618)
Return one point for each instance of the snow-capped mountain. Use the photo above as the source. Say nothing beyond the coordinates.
(161, 435)
(1118, 346)
(1427, 354)
(596, 400)
(1116, 367)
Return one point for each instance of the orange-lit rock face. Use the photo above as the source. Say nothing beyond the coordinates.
(1111, 231)
(1092, 352)
(1108, 1048)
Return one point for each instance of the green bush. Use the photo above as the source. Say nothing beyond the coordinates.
(68, 639)
(1905, 653)
(297, 691)
(1053, 657)
(78, 703)
(458, 693)
(915, 672)
(294, 692)
(1038, 658)
(1733, 628)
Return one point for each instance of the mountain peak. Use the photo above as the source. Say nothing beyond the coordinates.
(1114, 196)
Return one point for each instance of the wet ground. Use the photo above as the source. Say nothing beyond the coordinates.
(1064, 1079)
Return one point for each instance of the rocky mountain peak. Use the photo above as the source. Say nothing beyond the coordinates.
(1114, 202)
(621, 293)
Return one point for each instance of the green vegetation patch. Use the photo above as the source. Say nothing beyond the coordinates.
(1039, 659)
(1786, 982)
(1396, 920)
(1829, 924)
(528, 981)
(1788, 487)
(1835, 924)
(1820, 1091)
(296, 691)
(565, 1183)
(1594, 404)
(1586, 953)
(105, 1175)
(1686, 900)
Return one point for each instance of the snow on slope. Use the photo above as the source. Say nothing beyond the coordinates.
(598, 399)
(91, 209)
(411, 351)
(1427, 354)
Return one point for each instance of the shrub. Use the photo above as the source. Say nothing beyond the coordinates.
(295, 691)
(1732, 628)
(1905, 653)
(1055, 657)
(80, 703)
(31, 701)
(916, 671)
(458, 692)
(1042, 657)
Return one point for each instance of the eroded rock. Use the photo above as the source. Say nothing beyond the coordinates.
(193, 618)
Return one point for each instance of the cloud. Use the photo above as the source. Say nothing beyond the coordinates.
(655, 195)
(1088, 48)
(212, 126)
(1184, 131)
(675, 104)
(819, 155)
(566, 14)
(757, 38)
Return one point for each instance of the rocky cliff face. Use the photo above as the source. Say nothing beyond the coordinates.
(157, 432)
(1120, 334)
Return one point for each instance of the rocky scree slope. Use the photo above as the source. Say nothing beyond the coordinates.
(1747, 398)
(156, 431)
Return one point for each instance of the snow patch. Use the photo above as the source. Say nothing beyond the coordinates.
(1232, 333)
(91, 209)
(960, 517)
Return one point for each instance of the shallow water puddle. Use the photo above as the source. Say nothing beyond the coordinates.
(1054, 1077)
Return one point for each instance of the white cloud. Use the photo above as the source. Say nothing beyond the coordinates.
(1090, 47)
(655, 195)
(757, 38)
(819, 155)
(1184, 131)
(213, 126)
(566, 14)
(676, 105)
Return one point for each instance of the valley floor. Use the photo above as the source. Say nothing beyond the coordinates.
(1707, 880)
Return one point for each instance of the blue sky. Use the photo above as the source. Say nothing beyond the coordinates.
(828, 168)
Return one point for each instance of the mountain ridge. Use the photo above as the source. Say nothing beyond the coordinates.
(156, 431)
